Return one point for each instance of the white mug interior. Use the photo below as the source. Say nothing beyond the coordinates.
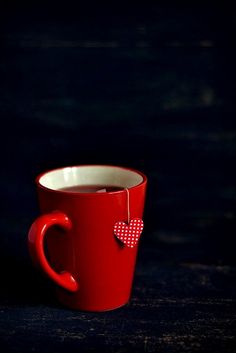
(90, 175)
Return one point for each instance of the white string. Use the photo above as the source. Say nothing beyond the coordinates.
(128, 206)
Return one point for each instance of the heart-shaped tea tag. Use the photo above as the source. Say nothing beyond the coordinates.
(129, 234)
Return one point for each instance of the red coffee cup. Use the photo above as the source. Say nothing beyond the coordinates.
(90, 263)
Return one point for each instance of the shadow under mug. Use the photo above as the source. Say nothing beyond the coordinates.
(92, 269)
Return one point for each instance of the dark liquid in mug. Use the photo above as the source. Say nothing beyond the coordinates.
(92, 188)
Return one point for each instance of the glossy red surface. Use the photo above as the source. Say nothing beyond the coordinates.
(92, 269)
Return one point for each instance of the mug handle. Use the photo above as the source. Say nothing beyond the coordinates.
(36, 236)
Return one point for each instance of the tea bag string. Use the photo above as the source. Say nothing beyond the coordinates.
(128, 204)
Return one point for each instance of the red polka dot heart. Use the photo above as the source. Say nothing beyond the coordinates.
(129, 234)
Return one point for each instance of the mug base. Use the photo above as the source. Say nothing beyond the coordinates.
(92, 310)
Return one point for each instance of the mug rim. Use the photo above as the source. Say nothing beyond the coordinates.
(37, 180)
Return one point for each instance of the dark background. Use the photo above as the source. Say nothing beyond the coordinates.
(145, 86)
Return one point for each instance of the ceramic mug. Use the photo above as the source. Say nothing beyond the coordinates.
(92, 269)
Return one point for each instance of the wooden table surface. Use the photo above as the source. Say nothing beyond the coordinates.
(162, 78)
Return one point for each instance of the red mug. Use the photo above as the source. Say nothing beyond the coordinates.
(91, 264)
